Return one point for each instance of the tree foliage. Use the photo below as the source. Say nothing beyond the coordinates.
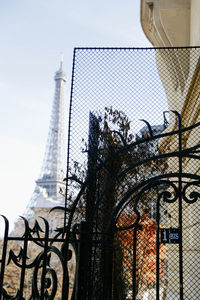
(146, 250)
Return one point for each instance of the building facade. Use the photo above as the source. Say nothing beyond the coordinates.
(177, 24)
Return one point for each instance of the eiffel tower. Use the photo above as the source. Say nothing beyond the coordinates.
(50, 187)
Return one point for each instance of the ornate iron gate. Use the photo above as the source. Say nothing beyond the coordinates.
(131, 216)
(135, 232)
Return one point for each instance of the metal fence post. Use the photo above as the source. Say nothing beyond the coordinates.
(82, 264)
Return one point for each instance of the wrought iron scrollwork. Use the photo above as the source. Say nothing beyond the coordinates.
(101, 222)
(194, 195)
(44, 279)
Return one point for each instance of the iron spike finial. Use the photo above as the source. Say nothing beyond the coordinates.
(148, 126)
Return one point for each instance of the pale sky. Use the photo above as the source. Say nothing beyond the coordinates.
(32, 35)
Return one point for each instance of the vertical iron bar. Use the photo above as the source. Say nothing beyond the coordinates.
(44, 265)
(25, 248)
(65, 286)
(91, 193)
(180, 204)
(157, 248)
(82, 270)
(108, 268)
(65, 281)
(134, 262)
(69, 140)
(180, 212)
(3, 258)
(93, 141)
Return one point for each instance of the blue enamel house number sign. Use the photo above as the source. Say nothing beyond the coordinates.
(170, 235)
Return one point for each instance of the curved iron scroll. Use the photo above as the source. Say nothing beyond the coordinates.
(95, 236)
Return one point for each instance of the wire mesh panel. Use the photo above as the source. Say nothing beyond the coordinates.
(132, 205)
(134, 170)
(125, 79)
